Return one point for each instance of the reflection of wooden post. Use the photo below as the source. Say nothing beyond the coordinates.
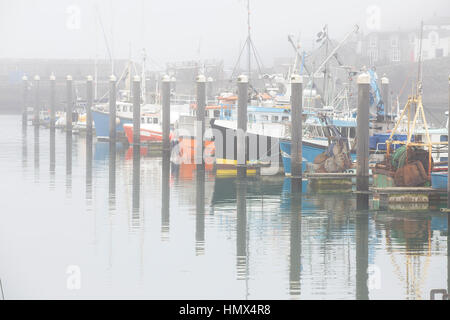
(241, 228)
(165, 195)
(295, 265)
(362, 146)
(362, 255)
(200, 212)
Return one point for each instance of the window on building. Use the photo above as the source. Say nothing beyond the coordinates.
(434, 39)
(216, 113)
(285, 118)
(155, 120)
(395, 55)
(439, 53)
(394, 41)
(373, 41)
(373, 55)
(274, 118)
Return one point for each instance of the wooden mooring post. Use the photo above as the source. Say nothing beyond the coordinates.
(242, 126)
(362, 146)
(296, 137)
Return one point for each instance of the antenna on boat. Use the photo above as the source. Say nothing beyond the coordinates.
(419, 71)
(251, 50)
(108, 49)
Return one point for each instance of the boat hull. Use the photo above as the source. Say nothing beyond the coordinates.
(261, 150)
(309, 153)
(439, 180)
(147, 135)
(101, 123)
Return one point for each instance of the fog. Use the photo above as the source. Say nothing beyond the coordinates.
(174, 30)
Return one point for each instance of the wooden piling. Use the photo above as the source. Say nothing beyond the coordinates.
(90, 99)
(52, 102)
(37, 81)
(69, 106)
(166, 113)
(448, 147)
(385, 97)
(136, 110)
(24, 101)
(296, 137)
(112, 108)
(362, 147)
(242, 126)
(209, 90)
(200, 124)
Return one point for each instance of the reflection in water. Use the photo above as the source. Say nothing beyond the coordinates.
(165, 196)
(241, 229)
(112, 175)
(413, 233)
(135, 216)
(68, 163)
(52, 158)
(310, 247)
(200, 212)
(89, 169)
(24, 146)
(362, 255)
(36, 153)
(295, 245)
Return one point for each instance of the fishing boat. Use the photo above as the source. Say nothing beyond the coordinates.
(318, 135)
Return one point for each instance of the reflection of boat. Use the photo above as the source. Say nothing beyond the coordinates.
(101, 150)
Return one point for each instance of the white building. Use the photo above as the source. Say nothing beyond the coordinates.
(435, 39)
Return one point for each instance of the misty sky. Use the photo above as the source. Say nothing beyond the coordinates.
(174, 30)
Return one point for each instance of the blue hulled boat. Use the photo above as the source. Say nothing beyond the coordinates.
(101, 121)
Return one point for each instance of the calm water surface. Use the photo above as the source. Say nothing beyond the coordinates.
(146, 229)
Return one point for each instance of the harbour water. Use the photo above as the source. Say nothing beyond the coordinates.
(77, 225)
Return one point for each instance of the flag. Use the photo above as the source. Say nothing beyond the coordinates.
(322, 34)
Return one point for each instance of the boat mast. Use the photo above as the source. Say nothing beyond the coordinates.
(143, 82)
(325, 72)
(144, 56)
(419, 71)
(249, 42)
